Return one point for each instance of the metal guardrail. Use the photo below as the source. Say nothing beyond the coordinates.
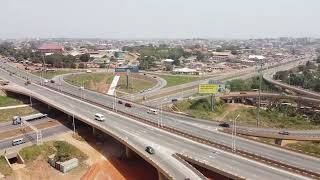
(247, 154)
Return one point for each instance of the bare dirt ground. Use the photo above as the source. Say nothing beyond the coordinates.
(231, 108)
(103, 163)
(101, 86)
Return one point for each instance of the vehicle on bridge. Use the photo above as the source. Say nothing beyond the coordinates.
(224, 124)
(16, 142)
(27, 82)
(128, 105)
(152, 111)
(99, 117)
(150, 150)
(284, 133)
(3, 82)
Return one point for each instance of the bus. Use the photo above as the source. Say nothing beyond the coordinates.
(16, 142)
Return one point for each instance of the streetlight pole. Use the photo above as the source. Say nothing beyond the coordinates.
(160, 113)
(234, 133)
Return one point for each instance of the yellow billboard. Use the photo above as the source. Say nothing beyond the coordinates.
(208, 88)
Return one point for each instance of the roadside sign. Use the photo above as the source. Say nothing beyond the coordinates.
(208, 88)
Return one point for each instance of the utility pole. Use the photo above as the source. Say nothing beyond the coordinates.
(260, 81)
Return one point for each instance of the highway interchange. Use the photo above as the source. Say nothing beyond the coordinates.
(168, 143)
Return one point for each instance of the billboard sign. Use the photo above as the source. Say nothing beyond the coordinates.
(208, 88)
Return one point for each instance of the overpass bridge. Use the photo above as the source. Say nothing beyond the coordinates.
(169, 143)
(299, 99)
(268, 78)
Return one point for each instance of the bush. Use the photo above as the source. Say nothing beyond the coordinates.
(201, 104)
(66, 151)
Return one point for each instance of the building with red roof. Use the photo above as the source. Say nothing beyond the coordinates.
(50, 48)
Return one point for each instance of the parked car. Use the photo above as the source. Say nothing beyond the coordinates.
(52, 81)
(120, 102)
(46, 81)
(284, 133)
(224, 124)
(150, 150)
(128, 105)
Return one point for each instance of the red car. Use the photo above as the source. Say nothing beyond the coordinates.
(128, 105)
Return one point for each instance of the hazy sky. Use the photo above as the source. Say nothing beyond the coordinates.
(159, 18)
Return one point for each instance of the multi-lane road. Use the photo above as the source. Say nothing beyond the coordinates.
(138, 135)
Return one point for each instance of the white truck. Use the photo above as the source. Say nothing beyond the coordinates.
(17, 119)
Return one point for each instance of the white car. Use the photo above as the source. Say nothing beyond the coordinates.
(46, 81)
(99, 117)
(152, 111)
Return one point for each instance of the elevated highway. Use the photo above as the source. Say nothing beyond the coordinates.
(137, 135)
(198, 129)
(268, 77)
(271, 95)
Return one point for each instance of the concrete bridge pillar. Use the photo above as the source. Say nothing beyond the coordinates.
(278, 141)
(161, 176)
(94, 131)
(129, 153)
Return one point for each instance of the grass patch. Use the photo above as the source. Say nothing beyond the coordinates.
(7, 114)
(89, 79)
(100, 81)
(308, 147)
(51, 74)
(177, 80)
(271, 118)
(8, 101)
(63, 150)
(4, 167)
(31, 153)
(201, 108)
(248, 115)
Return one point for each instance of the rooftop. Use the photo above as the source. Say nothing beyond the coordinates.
(50, 46)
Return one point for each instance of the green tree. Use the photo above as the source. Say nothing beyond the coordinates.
(84, 57)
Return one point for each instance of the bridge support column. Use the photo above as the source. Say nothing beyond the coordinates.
(94, 131)
(129, 153)
(161, 176)
(278, 141)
